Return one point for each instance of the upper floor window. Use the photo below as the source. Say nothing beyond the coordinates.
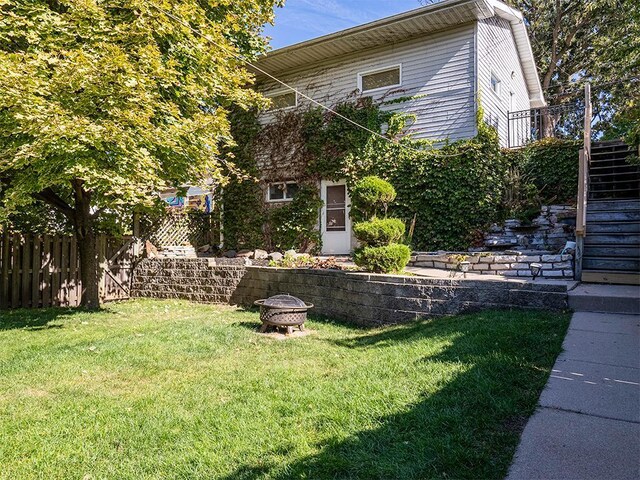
(282, 192)
(382, 78)
(495, 84)
(283, 100)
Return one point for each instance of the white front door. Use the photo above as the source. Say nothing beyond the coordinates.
(335, 222)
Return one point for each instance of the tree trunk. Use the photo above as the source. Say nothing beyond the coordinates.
(89, 271)
(87, 247)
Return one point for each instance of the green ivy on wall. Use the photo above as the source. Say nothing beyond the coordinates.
(293, 225)
(243, 208)
(452, 192)
(541, 173)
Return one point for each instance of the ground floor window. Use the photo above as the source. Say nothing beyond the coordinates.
(282, 192)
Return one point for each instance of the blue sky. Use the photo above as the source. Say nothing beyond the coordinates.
(301, 20)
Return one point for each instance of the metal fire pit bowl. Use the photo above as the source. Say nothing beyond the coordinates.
(283, 311)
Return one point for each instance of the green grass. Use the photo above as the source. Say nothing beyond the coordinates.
(149, 389)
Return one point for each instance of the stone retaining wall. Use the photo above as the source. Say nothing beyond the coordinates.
(507, 264)
(360, 298)
(550, 231)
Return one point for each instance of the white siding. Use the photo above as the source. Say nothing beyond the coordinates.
(439, 68)
(497, 53)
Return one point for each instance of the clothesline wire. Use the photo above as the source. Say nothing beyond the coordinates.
(302, 94)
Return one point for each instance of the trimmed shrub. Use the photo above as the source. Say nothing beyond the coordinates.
(378, 232)
(371, 195)
(386, 259)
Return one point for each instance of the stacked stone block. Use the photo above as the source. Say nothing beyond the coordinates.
(360, 298)
(512, 264)
(198, 280)
(550, 231)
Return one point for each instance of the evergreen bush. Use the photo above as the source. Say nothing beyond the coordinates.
(378, 252)
(370, 196)
(378, 232)
(384, 259)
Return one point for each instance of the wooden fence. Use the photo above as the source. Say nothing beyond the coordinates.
(44, 270)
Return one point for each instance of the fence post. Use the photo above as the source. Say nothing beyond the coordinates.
(73, 272)
(35, 271)
(46, 271)
(15, 271)
(4, 275)
(103, 264)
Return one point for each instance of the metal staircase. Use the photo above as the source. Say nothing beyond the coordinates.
(611, 252)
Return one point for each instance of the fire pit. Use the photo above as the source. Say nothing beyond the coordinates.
(283, 311)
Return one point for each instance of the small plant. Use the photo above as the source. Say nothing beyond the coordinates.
(386, 259)
(293, 261)
(306, 261)
(379, 232)
(458, 258)
(370, 196)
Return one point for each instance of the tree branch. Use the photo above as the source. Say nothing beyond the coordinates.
(52, 198)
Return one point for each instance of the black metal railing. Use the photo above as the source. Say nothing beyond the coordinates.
(559, 121)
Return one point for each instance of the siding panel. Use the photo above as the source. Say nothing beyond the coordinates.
(497, 53)
(439, 68)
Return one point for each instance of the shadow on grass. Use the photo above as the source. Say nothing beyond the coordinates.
(467, 428)
(313, 317)
(38, 319)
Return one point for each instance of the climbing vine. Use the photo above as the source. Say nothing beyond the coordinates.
(542, 173)
(449, 194)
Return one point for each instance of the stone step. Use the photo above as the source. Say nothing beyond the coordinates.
(605, 298)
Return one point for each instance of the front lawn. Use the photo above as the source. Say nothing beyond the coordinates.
(149, 389)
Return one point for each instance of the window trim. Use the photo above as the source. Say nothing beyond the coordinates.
(380, 70)
(499, 84)
(279, 200)
(279, 93)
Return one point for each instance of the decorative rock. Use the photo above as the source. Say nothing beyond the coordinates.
(290, 253)
(499, 266)
(552, 273)
(204, 248)
(275, 256)
(260, 254)
(230, 254)
(505, 258)
(512, 222)
(423, 264)
(245, 253)
(563, 265)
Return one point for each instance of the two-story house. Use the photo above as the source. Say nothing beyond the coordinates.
(447, 58)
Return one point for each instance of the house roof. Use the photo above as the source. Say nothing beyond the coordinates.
(404, 26)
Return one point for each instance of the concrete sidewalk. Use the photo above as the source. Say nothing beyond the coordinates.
(587, 425)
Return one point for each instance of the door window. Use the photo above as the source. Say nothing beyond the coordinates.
(336, 208)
